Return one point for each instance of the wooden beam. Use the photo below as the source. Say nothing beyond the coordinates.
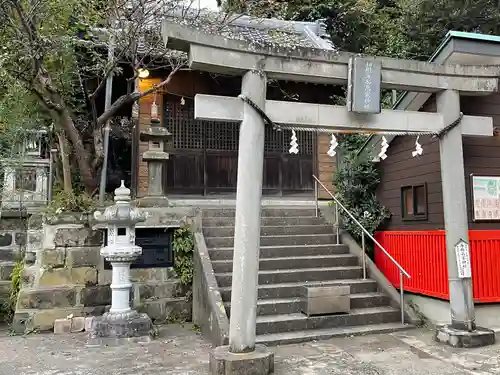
(337, 118)
(217, 54)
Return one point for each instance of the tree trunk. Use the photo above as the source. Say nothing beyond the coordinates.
(66, 167)
(81, 154)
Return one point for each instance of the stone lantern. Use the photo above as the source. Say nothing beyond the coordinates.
(121, 251)
(156, 156)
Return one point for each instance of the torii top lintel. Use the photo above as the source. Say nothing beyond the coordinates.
(214, 53)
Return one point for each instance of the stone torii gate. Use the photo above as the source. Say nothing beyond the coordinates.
(257, 64)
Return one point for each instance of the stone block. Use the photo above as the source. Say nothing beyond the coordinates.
(77, 237)
(322, 300)
(98, 295)
(20, 238)
(122, 327)
(148, 274)
(47, 298)
(43, 320)
(167, 289)
(28, 276)
(464, 339)
(167, 310)
(5, 239)
(95, 310)
(4, 289)
(258, 362)
(21, 322)
(53, 258)
(90, 323)
(62, 326)
(78, 324)
(6, 270)
(105, 277)
(8, 255)
(66, 276)
(35, 221)
(35, 240)
(83, 257)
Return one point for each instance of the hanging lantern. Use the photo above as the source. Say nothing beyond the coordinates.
(135, 110)
(154, 112)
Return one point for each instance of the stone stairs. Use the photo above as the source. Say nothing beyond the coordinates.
(298, 249)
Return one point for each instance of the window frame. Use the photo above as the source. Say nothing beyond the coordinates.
(404, 212)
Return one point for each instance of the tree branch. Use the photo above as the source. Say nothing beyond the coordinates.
(131, 98)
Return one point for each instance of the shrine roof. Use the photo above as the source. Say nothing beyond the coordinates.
(258, 32)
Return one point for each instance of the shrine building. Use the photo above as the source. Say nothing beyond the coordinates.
(204, 154)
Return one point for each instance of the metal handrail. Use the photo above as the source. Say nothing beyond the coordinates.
(364, 232)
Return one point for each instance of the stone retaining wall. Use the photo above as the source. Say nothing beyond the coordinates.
(65, 275)
(12, 246)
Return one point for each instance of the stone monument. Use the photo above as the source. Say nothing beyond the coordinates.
(121, 321)
(155, 157)
(25, 182)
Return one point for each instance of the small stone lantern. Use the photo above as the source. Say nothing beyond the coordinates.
(121, 251)
(156, 156)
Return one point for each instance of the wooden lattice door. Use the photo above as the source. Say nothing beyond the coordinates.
(204, 158)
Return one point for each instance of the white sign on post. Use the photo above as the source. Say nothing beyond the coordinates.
(463, 259)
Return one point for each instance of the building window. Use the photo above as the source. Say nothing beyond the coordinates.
(414, 202)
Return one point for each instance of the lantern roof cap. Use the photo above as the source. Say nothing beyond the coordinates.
(122, 193)
(122, 212)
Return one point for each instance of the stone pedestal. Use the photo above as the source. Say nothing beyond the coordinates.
(156, 157)
(258, 362)
(465, 339)
(121, 321)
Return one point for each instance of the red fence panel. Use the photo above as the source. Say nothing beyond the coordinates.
(423, 255)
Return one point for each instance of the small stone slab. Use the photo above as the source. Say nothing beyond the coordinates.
(324, 300)
(62, 326)
(108, 326)
(77, 324)
(465, 339)
(258, 362)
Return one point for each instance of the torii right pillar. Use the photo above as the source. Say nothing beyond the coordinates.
(462, 332)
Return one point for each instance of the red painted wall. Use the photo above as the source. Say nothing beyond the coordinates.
(423, 255)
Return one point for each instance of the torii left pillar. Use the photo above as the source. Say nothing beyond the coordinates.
(242, 356)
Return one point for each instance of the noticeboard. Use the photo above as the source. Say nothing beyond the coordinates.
(486, 198)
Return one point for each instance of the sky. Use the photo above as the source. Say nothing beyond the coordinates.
(211, 4)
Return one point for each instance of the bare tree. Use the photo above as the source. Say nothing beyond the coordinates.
(58, 51)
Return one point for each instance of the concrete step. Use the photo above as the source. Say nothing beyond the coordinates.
(226, 253)
(271, 230)
(303, 274)
(268, 324)
(265, 221)
(289, 290)
(294, 305)
(265, 212)
(308, 261)
(296, 337)
(290, 240)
